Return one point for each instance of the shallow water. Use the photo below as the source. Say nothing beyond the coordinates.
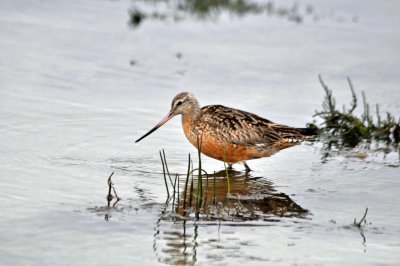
(78, 85)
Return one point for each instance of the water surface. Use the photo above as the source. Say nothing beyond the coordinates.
(79, 84)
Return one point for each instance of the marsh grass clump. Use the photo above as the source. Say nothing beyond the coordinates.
(343, 128)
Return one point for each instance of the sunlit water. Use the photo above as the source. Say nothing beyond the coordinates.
(78, 85)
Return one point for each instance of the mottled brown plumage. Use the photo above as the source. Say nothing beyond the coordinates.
(229, 134)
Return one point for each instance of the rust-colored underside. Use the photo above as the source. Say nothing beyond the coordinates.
(233, 153)
(229, 152)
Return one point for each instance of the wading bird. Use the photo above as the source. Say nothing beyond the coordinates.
(228, 134)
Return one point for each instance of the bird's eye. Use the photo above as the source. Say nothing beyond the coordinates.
(178, 103)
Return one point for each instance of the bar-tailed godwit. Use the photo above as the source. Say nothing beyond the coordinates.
(228, 134)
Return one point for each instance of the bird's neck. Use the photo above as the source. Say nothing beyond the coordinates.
(192, 116)
(190, 123)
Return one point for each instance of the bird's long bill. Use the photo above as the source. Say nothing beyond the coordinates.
(162, 122)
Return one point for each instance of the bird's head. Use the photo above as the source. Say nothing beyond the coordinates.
(182, 104)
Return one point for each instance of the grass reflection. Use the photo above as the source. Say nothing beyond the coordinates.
(205, 197)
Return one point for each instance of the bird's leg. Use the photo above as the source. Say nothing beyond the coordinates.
(246, 166)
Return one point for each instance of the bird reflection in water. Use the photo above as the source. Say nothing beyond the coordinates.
(253, 202)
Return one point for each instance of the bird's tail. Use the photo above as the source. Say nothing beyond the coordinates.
(308, 131)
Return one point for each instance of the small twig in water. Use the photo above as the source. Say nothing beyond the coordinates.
(110, 185)
(111, 188)
(362, 219)
(115, 192)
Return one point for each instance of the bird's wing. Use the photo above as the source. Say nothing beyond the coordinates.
(240, 127)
